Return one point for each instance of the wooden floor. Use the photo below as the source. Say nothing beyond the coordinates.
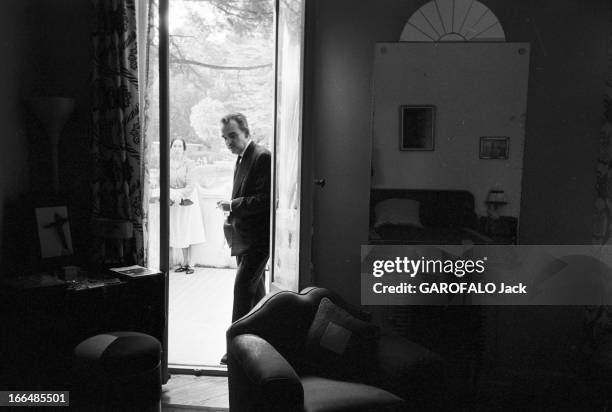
(200, 311)
(195, 393)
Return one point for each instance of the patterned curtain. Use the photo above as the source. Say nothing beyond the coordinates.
(118, 184)
(149, 116)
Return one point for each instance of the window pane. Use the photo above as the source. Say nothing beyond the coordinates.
(289, 127)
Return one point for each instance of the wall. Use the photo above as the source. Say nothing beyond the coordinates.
(568, 44)
(13, 156)
(46, 51)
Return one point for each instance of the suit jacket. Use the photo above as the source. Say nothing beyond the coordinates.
(247, 228)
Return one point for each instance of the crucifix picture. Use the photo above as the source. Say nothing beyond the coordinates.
(54, 231)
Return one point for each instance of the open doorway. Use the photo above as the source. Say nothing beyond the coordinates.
(221, 60)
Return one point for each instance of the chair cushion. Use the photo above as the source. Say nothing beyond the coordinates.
(338, 344)
(118, 353)
(328, 395)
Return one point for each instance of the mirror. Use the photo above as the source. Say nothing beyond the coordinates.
(447, 142)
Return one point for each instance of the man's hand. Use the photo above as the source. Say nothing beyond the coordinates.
(224, 205)
(175, 196)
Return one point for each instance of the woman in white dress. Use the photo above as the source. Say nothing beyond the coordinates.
(186, 225)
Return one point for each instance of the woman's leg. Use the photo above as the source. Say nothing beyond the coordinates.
(186, 257)
(181, 266)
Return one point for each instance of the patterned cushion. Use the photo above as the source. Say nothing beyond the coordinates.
(338, 344)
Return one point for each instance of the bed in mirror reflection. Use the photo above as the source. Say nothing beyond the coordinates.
(419, 216)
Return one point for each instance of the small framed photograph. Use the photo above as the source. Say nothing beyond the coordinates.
(494, 147)
(54, 232)
(417, 127)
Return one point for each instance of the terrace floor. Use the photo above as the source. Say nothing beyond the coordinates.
(200, 311)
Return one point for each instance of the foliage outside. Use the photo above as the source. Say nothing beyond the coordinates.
(221, 61)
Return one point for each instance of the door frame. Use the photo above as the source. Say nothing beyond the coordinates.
(305, 168)
(304, 184)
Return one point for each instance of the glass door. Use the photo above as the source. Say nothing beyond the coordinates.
(287, 145)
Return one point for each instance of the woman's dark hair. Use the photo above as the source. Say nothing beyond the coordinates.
(240, 120)
(182, 140)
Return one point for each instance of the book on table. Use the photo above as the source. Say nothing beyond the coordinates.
(134, 271)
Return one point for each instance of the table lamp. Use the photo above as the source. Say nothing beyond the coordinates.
(53, 112)
(115, 232)
(495, 199)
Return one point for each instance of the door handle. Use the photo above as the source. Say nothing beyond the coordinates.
(319, 182)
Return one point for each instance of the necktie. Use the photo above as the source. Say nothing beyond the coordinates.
(236, 166)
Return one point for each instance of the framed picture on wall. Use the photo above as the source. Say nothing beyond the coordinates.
(54, 231)
(417, 127)
(494, 147)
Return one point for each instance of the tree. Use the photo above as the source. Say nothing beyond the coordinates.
(221, 55)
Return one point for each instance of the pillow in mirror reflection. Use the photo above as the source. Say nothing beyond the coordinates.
(398, 212)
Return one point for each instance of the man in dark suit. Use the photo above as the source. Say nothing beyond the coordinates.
(247, 227)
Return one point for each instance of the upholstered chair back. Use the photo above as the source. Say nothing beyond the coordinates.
(283, 319)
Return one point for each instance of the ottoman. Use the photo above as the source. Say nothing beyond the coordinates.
(117, 371)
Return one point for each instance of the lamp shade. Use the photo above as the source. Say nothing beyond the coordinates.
(496, 197)
(53, 112)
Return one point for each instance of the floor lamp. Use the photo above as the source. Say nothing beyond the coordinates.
(53, 112)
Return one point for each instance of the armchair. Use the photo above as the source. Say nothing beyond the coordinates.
(268, 365)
